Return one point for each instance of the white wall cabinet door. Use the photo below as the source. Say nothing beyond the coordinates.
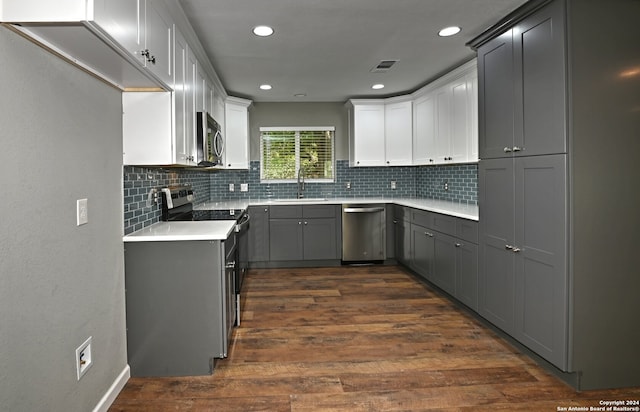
(472, 89)
(398, 133)
(460, 121)
(236, 136)
(424, 130)
(158, 41)
(366, 137)
(124, 21)
(201, 86)
(442, 98)
(191, 86)
(180, 98)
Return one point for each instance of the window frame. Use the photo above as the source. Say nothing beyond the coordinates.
(297, 130)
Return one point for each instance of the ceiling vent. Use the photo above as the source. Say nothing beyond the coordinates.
(383, 66)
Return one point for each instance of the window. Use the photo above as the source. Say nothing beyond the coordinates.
(284, 150)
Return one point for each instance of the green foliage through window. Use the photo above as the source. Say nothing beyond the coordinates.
(283, 151)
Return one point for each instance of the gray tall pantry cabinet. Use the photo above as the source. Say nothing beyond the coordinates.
(559, 99)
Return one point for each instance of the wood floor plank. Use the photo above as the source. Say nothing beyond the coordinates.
(370, 338)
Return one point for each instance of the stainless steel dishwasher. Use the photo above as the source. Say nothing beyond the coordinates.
(363, 233)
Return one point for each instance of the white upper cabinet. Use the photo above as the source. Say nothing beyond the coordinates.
(126, 42)
(424, 130)
(366, 133)
(446, 119)
(380, 132)
(124, 21)
(236, 136)
(437, 124)
(443, 124)
(157, 51)
(182, 142)
(398, 133)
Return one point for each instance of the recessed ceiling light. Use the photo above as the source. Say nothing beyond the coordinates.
(449, 31)
(377, 86)
(262, 31)
(265, 87)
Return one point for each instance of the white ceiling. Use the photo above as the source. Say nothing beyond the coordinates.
(326, 48)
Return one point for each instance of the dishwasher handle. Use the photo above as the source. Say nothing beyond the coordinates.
(363, 209)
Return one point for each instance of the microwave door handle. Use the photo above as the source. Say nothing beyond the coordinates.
(218, 144)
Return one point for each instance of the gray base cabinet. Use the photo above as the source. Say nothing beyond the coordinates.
(176, 308)
(285, 239)
(402, 234)
(295, 233)
(442, 249)
(258, 236)
(423, 251)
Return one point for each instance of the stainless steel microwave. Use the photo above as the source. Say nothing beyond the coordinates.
(209, 141)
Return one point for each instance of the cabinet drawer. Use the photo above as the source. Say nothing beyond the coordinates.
(401, 213)
(422, 218)
(285, 212)
(467, 230)
(312, 211)
(444, 224)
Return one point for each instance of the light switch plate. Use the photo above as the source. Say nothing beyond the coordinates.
(244, 187)
(232, 187)
(82, 212)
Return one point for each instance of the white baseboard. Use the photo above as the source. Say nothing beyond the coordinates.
(114, 390)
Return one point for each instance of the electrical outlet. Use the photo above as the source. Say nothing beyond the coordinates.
(83, 358)
(232, 187)
(393, 185)
(244, 187)
(348, 185)
(445, 186)
(82, 212)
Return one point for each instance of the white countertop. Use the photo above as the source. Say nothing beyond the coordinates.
(172, 231)
(456, 209)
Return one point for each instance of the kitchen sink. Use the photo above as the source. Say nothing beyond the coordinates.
(302, 200)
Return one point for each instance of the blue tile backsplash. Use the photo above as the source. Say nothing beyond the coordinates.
(138, 182)
(411, 181)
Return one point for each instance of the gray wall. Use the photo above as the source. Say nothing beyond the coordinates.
(59, 283)
(299, 114)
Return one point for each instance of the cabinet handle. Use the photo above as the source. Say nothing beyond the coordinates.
(458, 244)
(152, 60)
(508, 247)
(516, 250)
(395, 221)
(306, 223)
(507, 150)
(516, 149)
(299, 223)
(428, 234)
(266, 209)
(388, 162)
(431, 160)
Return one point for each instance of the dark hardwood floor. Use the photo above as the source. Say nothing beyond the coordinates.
(366, 338)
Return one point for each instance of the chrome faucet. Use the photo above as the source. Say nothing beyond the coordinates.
(300, 183)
